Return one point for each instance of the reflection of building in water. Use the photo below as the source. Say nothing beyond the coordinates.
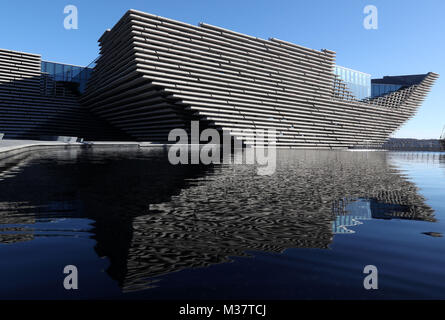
(152, 218)
(9, 219)
(234, 211)
(437, 158)
(350, 213)
(12, 226)
(389, 205)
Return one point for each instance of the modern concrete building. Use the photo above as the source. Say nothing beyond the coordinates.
(155, 74)
(34, 104)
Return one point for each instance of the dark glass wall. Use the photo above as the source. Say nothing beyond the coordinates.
(380, 89)
(68, 73)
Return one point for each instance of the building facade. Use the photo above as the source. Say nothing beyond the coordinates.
(156, 74)
(40, 99)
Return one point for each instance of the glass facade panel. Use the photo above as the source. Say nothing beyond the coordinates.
(68, 73)
(359, 83)
(58, 75)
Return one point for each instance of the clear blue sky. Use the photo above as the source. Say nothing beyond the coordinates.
(410, 38)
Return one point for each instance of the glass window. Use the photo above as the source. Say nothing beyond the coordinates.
(58, 75)
(67, 73)
(357, 82)
(50, 68)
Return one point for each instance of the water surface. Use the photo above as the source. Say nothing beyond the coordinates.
(137, 227)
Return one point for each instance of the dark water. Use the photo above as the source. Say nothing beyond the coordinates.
(137, 227)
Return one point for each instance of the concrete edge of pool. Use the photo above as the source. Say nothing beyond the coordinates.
(13, 147)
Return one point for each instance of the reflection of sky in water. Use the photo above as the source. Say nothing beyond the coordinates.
(135, 224)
